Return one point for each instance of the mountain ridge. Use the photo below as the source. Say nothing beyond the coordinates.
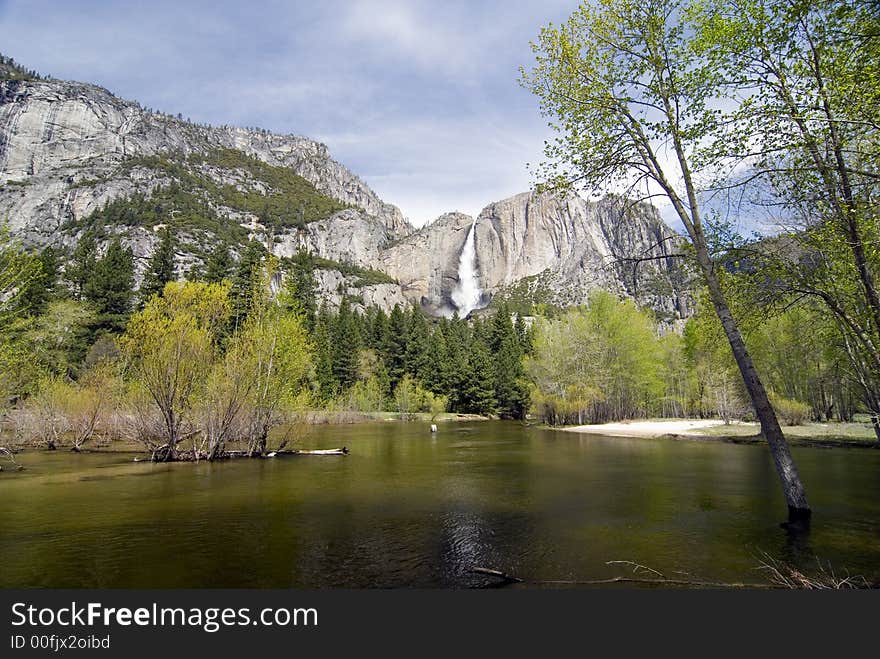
(71, 152)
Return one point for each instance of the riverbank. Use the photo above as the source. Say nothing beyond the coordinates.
(856, 435)
(305, 424)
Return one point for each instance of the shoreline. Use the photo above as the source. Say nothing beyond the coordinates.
(699, 430)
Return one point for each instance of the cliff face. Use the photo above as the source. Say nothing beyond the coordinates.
(426, 262)
(67, 150)
(60, 143)
(549, 247)
(570, 246)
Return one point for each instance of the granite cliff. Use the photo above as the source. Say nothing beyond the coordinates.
(74, 157)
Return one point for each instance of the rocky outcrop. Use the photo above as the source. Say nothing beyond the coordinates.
(552, 247)
(61, 141)
(331, 285)
(575, 246)
(426, 262)
(68, 149)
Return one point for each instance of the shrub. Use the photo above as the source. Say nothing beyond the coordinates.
(791, 412)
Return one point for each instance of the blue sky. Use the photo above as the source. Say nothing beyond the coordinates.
(418, 98)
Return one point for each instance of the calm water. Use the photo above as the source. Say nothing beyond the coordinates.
(405, 509)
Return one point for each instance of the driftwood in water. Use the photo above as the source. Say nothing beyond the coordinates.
(496, 573)
(162, 454)
(661, 580)
(325, 451)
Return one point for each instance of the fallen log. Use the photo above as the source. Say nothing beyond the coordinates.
(496, 573)
(326, 451)
(506, 579)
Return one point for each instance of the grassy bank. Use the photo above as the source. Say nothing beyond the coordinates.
(808, 434)
(860, 435)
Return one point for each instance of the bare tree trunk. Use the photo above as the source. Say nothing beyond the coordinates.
(875, 422)
(793, 489)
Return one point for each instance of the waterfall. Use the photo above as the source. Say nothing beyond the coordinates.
(466, 295)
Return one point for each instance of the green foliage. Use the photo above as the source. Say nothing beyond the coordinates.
(19, 271)
(291, 201)
(271, 358)
(57, 340)
(597, 364)
(110, 285)
(160, 269)
(12, 70)
(345, 345)
(242, 291)
(190, 200)
(327, 384)
(300, 291)
(81, 266)
(42, 287)
(527, 295)
(19, 372)
(410, 398)
(792, 412)
(394, 348)
(416, 358)
(170, 346)
(476, 389)
(511, 388)
(219, 264)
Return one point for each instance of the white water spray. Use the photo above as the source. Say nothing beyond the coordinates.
(466, 295)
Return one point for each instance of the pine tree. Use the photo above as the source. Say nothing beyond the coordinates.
(478, 385)
(379, 332)
(326, 381)
(301, 295)
(346, 343)
(511, 392)
(524, 334)
(219, 264)
(417, 357)
(500, 327)
(241, 292)
(458, 337)
(395, 345)
(438, 379)
(161, 269)
(110, 287)
(82, 263)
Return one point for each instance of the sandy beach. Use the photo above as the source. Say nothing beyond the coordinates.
(648, 428)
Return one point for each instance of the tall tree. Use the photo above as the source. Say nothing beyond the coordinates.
(809, 132)
(322, 338)
(111, 283)
(219, 264)
(477, 386)
(346, 343)
(396, 338)
(242, 291)
(635, 103)
(42, 288)
(417, 358)
(160, 269)
(301, 288)
(171, 344)
(18, 270)
(82, 263)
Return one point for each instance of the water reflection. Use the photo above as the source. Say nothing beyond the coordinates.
(408, 509)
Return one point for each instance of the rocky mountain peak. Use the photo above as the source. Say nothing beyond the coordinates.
(74, 157)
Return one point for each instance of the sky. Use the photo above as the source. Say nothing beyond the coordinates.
(419, 98)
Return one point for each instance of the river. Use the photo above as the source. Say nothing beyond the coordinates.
(408, 509)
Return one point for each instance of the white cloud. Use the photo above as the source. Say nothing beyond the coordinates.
(404, 31)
